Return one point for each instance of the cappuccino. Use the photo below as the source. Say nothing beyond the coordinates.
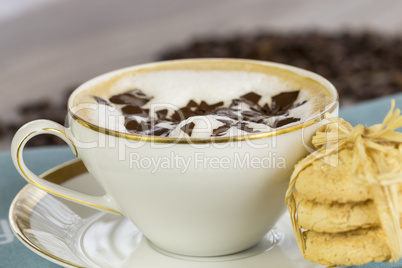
(180, 101)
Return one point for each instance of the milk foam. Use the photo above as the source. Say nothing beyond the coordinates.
(178, 87)
(172, 89)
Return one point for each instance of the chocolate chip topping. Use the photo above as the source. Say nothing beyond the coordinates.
(162, 114)
(265, 109)
(282, 102)
(135, 97)
(134, 125)
(228, 113)
(193, 109)
(226, 122)
(205, 109)
(221, 130)
(244, 126)
(188, 128)
(159, 131)
(135, 110)
(101, 101)
(251, 98)
(297, 104)
(285, 121)
(133, 101)
(191, 104)
(132, 109)
(182, 114)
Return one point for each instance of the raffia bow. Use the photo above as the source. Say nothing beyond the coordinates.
(377, 163)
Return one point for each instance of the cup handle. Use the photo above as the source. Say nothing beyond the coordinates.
(37, 127)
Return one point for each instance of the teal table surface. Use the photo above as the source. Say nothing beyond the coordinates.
(15, 254)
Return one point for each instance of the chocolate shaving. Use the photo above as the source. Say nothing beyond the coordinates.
(266, 110)
(159, 131)
(285, 121)
(162, 114)
(128, 98)
(101, 101)
(250, 114)
(134, 125)
(282, 102)
(298, 104)
(131, 124)
(135, 110)
(191, 104)
(226, 110)
(139, 93)
(182, 114)
(235, 102)
(134, 100)
(244, 126)
(205, 109)
(226, 122)
(221, 130)
(229, 115)
(251, 98)
(188, 128)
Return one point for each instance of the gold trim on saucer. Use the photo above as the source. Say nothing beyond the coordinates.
(29, 197)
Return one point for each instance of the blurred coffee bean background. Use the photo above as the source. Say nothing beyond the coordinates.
(49, 47)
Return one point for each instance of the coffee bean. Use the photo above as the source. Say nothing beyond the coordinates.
(349, 60)
(34, 108)
(2, 129)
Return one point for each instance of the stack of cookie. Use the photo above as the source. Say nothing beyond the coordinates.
(344, 199)
(341, 219)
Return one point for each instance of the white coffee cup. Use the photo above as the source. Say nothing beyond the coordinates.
(207, 209)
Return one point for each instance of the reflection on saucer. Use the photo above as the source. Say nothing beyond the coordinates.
(271, 239)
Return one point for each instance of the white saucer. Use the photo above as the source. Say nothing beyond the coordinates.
(72, 235)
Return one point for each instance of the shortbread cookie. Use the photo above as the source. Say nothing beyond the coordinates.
(336, 217)
(324, 183)
(349, 248)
